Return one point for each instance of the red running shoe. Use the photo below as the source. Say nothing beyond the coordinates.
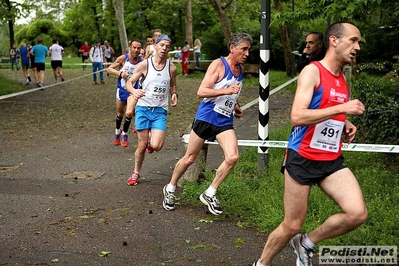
(133, 179)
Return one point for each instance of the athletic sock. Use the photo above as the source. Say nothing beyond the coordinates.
(170, 188)
(126, 125)
(210, 192)
(117, 131)
(260, 264)
(306, 242)
(118, 120)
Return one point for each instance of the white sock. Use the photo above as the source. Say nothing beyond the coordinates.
(117, 131)
(171, 188)
(306, 242)
(124, 133)
(210, 192)
(259, 264)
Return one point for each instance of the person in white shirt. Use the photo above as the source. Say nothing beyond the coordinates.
(96, 58)
(197, 52)
(56, 52)
(108, 54)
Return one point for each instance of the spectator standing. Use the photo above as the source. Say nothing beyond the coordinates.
(108, 54)
(314, 156)
(25, 62)
(40, 51)
(56, 52)
(96, 58)
(313, 51)
(219, 89)
(197, 52)
(13, 56)
(179, 54)
(185, 53)
(85, 50)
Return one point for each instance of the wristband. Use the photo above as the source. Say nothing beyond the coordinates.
(177, 96)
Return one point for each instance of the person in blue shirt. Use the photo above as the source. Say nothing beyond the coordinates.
(25, 62)
(40, 52)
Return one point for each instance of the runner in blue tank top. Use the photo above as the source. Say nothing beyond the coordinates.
(214, 120)
(124, 67)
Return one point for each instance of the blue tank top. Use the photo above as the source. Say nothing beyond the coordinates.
(218, 111)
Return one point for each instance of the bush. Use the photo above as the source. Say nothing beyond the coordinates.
(379, 123)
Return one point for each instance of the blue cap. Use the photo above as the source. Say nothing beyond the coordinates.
(162, 38)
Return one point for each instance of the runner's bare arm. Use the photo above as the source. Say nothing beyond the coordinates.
(115, 66)
(172, 88)
(139, 71)
(214, 74)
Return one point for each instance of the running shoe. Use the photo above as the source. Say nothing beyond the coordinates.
(304, 255)
(125, 141)
(168, 199)
(133, 179)
(149, 148)
(62, 78)
(212, 203)
(117, 140)
(95, 82)
(29, 79)
(102, 81)
(134, 128)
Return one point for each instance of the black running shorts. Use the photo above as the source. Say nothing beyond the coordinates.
(208, 131)
(56, 63)
(309, 172)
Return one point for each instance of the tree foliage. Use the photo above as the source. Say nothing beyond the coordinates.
(88, 20)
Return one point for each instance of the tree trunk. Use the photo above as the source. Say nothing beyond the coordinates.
(224, 21)
(10, 23)
(189, 23)
(119, 10)
(285, 40)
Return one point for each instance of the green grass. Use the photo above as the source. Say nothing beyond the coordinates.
(253, 199)
(12, 86)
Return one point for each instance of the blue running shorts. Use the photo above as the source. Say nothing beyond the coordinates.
(151, 118)
(122, 95)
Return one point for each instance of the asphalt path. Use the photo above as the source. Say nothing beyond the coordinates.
(64, 198)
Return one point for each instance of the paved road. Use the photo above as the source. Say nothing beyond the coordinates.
(64, 198)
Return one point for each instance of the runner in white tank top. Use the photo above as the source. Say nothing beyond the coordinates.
(158, 80)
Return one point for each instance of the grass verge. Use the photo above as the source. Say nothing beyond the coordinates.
(12, 86)
(253, 199)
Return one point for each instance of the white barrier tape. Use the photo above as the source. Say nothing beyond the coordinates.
(359, 147)
(47, 86)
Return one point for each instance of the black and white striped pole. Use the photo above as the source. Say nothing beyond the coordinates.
(264, 90)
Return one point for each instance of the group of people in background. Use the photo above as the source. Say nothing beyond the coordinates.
(34, 57)
(99, 56)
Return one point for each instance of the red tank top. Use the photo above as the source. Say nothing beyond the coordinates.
(322, 142)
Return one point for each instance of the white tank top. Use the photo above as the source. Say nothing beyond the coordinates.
(156, 86)
(153, 51)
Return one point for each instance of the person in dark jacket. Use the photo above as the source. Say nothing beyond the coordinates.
(314, 50)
